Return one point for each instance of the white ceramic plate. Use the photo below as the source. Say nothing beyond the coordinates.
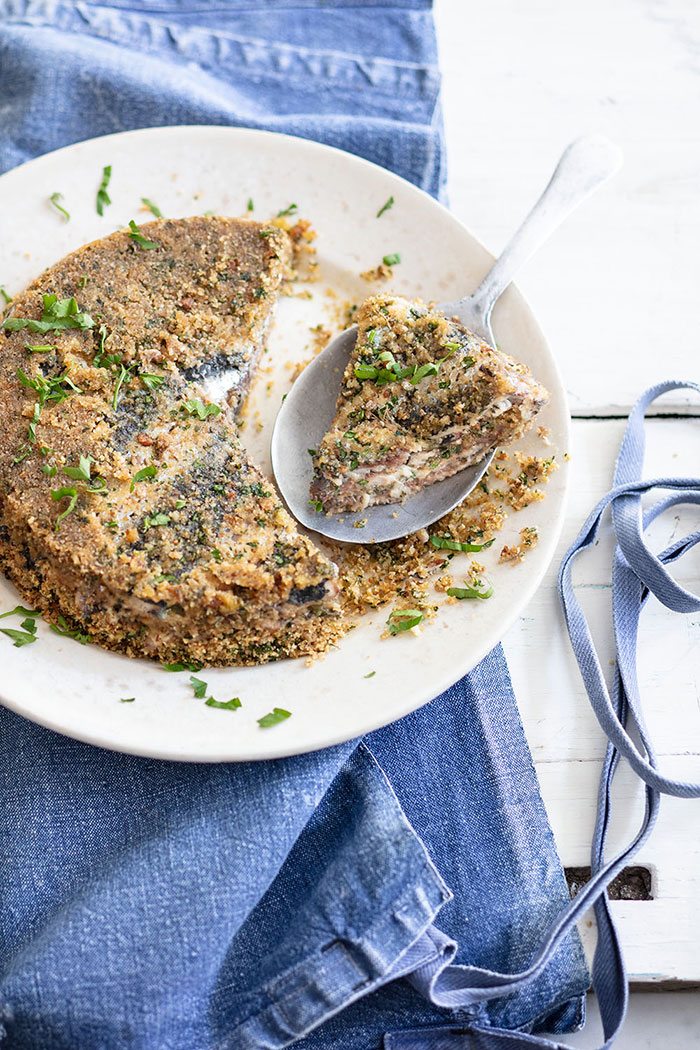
(189, 170)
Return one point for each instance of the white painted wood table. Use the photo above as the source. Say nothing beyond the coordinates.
(617, 291)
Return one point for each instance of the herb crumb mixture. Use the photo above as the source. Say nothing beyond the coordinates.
(128, 508)
(421, 399)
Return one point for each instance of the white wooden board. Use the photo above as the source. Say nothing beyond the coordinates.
(616, 289)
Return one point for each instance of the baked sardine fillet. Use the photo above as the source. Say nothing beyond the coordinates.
(421, 399)
(128, 509)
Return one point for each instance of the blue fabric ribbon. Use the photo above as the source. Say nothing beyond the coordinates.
(636, 573)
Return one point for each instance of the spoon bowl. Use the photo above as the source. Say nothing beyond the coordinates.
(308, 410)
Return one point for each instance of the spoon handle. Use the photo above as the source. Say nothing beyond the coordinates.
(584, 165)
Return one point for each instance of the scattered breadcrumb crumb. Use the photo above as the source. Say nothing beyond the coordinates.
(378, 273)
(528, 539)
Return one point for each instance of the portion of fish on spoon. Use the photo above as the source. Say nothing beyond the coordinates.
(313, 407)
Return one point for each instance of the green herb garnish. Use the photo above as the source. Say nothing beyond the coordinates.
(153, 208)
(3, 293)
(392, 260)
(385, 207)
(151, 381)
(136, 235)
(123, 373)
(159, 518)
(65, 493)
(371, 673)
(224, 705)
(316, 504)
(276, 715)
(479, 590)
(181, 667)
(250, 205)
(66, 631)
(55, 199)
(196, 407)
(448, 544)
(146, 471)
(403, 620)
(82, 471)
(103, 198)
(38, 349)
(57, 314)
(287, 211)
(19, 638)
(429, 369)
(127, 699)
(19, 610)
(199, 687)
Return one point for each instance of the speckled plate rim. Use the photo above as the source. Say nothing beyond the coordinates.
(166, 724)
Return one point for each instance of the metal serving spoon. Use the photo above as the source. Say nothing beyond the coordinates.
(308, 410)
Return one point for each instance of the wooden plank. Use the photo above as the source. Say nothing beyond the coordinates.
(616, 288)
(660, 936)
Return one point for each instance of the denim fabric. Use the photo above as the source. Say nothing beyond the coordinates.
(159, 906)
(359, 76)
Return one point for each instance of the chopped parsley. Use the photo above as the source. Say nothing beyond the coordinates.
(196, 407)
(216, 554)
(479, 590)
(316, 504)
(19, 638)
(6, 297)
(385, 207)
(82, 471)
(370, 675)
(224, 705)
(127, 699)
(250, 206)
(56, 199)
(64, 493)
(287, 211)
(29, 625)
(448, 544)
(39, 349)
(276, 715)
(151, 520)
(66, 631)
(136, 235)
(103, 198)
(146, 471)
(403, 620)
(366, 372)
(392, 260)
(153, 208)
(123, 373)
(181, 667)
(57, 314)
(19, 610)
(151, 381)
(103, 360)
(429, 369)
(199, 687)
